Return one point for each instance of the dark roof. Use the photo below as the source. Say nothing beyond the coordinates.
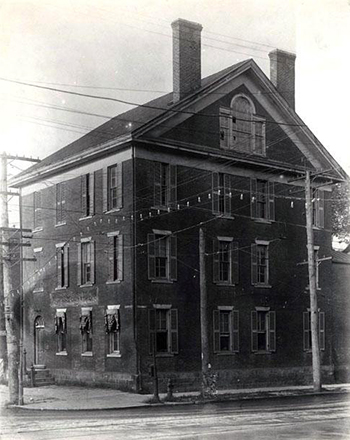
(340, 257)
(118, 125)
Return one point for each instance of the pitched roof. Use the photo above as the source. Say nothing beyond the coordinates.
(340, 257)
(118, 125)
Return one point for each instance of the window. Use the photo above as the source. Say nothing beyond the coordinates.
(262, 199)
(86, 262)
(318, 208)
(226, 330)
(113, 187)
(61, 330)
(165, 185)
(62, 265)
(240, 128)
(115, 257)
(86, 329)
(87, 194)
(225, 261)
(222, 194)
(39, 270)
(112, 328)
(38, 220)
(260, 263)
(263, 330)
(61, 213)
(307, 330)
(162, 256)
(163, 326)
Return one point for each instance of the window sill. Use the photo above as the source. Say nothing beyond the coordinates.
(110, 211)
(224, 216)
(263, 221)
(225, 284)
(263, 286)
(85, 218)
(114, 355)
(162, 281)
(38, 290)
(61, 353)
(86, 285)
(226, 353)
(57, 225)
(87, 354)
(39, 229)
(61, 288)
(263, 352)
(113, 282)
(164, 355)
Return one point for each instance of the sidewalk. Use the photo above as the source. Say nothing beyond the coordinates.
(72, 398)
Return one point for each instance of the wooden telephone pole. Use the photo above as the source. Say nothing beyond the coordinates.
(11, 288)
(316, 362)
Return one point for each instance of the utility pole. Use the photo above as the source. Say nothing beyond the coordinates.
(11, 294)
(203, 312)
(316, 363)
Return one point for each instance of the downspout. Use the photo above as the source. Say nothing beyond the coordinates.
(135, 310)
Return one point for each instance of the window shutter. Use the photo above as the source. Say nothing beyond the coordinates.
(254, 265)
(215, 260)
(59, 266)
(92, 193)
(79, 264)
(120, 185)
(152, 328)
(92, 260)
(110, 258)
(234, 262)
(224, 127)
(157, 185)
(66, 265)
(105, 187)
(227, 194)
(306, 330)
(151, 257)
(253, 195)
(216, 330)
(259, 134)
(174, 331)
(254, 318)
(120, 257)
(322, 332)
(83, 194)
(320, 209)
(272, 331)
(173, 184)
(271, 201)
(58, 203)
(235, 331)
(215, 190)
(173, 257)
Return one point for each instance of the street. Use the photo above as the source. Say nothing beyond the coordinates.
(307, 417)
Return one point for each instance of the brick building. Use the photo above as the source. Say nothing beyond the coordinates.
(116, 218)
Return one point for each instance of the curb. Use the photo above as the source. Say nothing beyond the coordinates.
(245, 397)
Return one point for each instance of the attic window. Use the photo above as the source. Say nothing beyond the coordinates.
(240, 128)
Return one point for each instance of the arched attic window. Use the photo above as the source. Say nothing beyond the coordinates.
(240, 128)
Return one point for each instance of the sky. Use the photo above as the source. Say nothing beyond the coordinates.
(124, 50)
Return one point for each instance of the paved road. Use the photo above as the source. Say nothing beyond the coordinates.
(308, 417)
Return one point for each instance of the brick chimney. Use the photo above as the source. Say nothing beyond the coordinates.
(282, 74)
(186, 58)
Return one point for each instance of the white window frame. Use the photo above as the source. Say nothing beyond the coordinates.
(87, 195)
(232, 332)
(61, 317)
(61, 209)
(115, 255)
(87, 336)
(37, 211)
(269, 331)
(171, 329)
(62, 265)
(170, 255)
(82, 266)
(112, 337)
(265, 244)
(38, 255)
